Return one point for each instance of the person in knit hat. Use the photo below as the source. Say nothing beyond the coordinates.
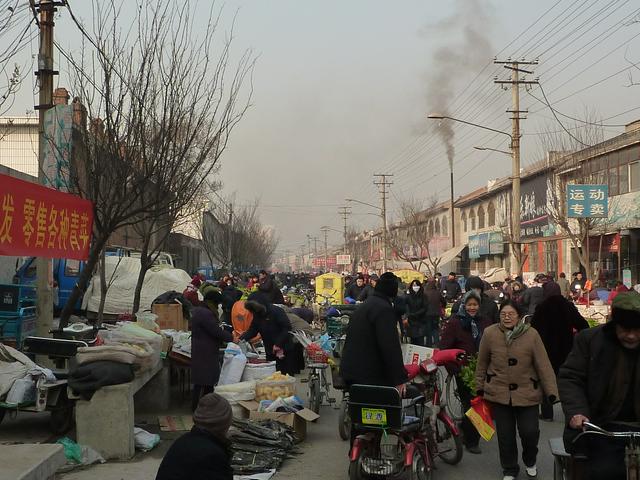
(600, 383)
(203, 453)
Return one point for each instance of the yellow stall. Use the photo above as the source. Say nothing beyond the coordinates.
(330, 285)
(407, 276)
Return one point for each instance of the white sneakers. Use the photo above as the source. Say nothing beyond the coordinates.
(508, 477)
(532, 471)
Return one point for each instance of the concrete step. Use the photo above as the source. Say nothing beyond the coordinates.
(31, 461)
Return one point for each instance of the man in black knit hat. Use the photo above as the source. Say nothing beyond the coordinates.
(600, 383)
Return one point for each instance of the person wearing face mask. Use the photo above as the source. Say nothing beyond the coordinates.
(416, 303)
(514, 374)
(464, 330)
(488, 308)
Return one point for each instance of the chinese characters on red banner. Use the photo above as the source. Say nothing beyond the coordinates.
(40, 221)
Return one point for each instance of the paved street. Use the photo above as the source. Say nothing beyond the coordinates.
(322, 456)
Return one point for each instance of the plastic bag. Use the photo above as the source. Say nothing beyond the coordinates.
(237, 392)
(481, 418)
(147, 320)
(233, 365)
(72, 450)
(23, 390)
(274, 386)
(144, 440)
(258, 371)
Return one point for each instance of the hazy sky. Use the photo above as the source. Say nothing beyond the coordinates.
(342, 89)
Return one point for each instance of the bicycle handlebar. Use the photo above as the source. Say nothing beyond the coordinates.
(593, 429)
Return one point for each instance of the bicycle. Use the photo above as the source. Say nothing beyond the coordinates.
(318, 383)
(568, 467)
(450, 401)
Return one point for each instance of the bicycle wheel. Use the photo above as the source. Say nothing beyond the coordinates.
(314, 394)
(344, 421)
(453, 404)
(449, 444)
(419, 470)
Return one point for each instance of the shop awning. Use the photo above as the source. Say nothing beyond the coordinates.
(452, 253)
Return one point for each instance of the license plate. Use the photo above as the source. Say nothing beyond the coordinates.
(374, 416)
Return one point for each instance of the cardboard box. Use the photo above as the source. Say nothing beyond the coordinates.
(170, 316)
(296, 420)
(414, 354)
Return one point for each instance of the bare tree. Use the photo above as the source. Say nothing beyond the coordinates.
(563, 149)
(411, 239)
(163, 102)
(240, 244)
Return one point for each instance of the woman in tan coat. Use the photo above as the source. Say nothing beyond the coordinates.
(514, 374)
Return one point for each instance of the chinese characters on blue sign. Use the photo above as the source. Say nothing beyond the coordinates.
(587, 201)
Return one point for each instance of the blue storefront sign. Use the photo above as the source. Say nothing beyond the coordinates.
(483, 244)
(474, 246)
(496, 243)
(587, 201)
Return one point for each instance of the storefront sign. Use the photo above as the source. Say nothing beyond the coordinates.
(483, 244)
(343, 259)
(474, 246)
(496, 243)
(39, 221)
(58, 129)
(626, 278)
(588, 201)
(605, 243)
(534, 217)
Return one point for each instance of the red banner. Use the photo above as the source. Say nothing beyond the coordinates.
(42, 222)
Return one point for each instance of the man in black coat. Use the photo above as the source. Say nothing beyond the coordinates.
(372, 353)
(600, 383)
(488, 308)
(368, 290)
(273, 325)
(207, 336)
(354, 290)
(204, 452)
(451, 288)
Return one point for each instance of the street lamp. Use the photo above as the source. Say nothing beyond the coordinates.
(515, 176)
(494, 150)
(384, 228)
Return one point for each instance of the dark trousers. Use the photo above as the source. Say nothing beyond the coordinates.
(471, 437)
(199, 391)
(546, 409)
(507, 418)
(418, 341)
(433, 331)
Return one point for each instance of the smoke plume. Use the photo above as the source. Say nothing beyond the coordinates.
(454, 63)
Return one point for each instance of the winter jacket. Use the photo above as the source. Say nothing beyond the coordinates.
(354, 291)
(519, 374)
(488, 308)
(268, 287)
(367, 292)
(197, 455)
(557, 319)
(230, 295)
(531, 297)
(452, 287)
(434, 301)
(206, 339)
(565, 287)
(417, 314)
(584, 379)
(273, 326)
(456, 335)
(372, 353)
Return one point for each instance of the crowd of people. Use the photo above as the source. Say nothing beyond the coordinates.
(532, 346)
(533, 349)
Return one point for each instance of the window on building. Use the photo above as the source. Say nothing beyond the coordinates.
(430, 228)
(623, 173)
(613, 181)
(472, 220)
(551, 256)
(445, 231)
(463, 217)
(437, 227)
(532, 250)
(491, 215)
(481, 217)
(634, 176)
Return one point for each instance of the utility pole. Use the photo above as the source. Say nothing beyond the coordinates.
(382, 183)
(325, 230)
(344, 213)
(45, 75)
(230, 237)
(452, 212)
(516, 113)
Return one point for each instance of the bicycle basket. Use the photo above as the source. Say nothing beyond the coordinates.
(389, 461)
(316, 354)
